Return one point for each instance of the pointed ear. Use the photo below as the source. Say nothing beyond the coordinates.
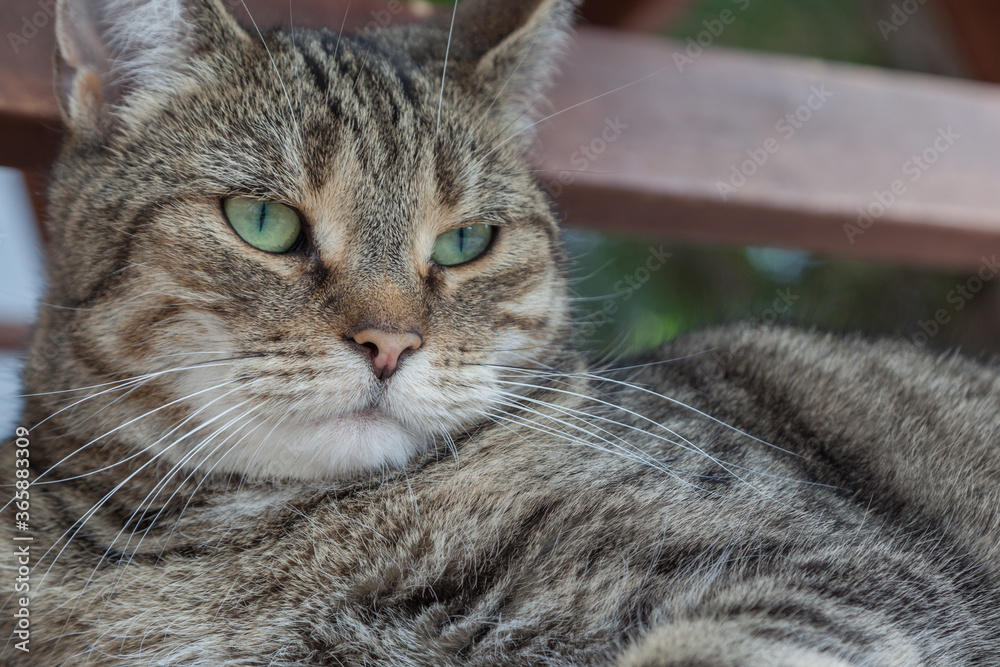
(107, 50)
(514, 45)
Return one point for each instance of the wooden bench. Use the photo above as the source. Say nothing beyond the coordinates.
(687, 143)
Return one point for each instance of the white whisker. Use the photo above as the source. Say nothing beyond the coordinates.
(561, 111)
(274, 64)
(132, 421)
(444, 69)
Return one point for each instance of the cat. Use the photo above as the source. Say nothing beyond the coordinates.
(317, 403)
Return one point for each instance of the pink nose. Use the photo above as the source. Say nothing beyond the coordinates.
(385, 348)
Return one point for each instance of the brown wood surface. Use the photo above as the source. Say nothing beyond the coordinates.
(686, 130)
(639, 15)
(37, 183)
(13, 336)
(974, 24)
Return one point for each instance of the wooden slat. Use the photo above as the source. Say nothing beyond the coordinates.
(29, 121)
(688, 129)
(974, 23)
(37, 183)
(638, 15)
(13, 336)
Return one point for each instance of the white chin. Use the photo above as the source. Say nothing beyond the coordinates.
(324, 450)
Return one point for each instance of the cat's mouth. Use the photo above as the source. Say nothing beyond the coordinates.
(370, 413)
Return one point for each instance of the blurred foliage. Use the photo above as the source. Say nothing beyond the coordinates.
(830, 29)
(698, 287)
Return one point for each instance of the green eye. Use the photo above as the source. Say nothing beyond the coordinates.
(462, 245)
(266, 225)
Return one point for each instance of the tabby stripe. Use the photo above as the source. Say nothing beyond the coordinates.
(115, 275)
(319, 75)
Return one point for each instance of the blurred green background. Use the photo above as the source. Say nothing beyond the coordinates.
(700, 286)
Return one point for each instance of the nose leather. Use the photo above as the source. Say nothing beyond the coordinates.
(386, 347)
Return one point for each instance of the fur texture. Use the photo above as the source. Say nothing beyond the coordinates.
(223, 480)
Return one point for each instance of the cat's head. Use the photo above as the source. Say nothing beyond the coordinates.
(301, 254)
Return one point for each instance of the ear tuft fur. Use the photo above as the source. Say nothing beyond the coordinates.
(513, 46)
(107, 49)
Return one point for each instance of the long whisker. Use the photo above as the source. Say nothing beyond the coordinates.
(651, 421)
(155, 491)
(123, 384)
(274, 64)
(598, 378)
(97, 386)
(695, 410)
(152, 495)
(263, 440)
(340, 35)
(131, 421)
(444, 70)
(686, 445)
(630, 452)
(557, 113)
(648, 458)
(79, 523)
(513, 419)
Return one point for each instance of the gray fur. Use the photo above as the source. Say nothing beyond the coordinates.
(747, 496)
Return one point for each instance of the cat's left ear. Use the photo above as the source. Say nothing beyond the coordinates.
(110, 52)
(511, 46)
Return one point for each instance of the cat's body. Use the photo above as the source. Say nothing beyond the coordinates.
(539, 550)
(258, 496)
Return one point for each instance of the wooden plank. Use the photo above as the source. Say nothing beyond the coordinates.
(29, 120)
(638, 15)
(14, 336)
(974, 24)
(690, 124)
(37, 184)
(690, 128)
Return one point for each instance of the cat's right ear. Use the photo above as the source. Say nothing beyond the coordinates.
(512, 46)
(112, 53)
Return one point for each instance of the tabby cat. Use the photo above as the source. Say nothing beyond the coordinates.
(315, 404)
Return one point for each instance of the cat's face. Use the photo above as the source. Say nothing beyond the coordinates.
(372, 335)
